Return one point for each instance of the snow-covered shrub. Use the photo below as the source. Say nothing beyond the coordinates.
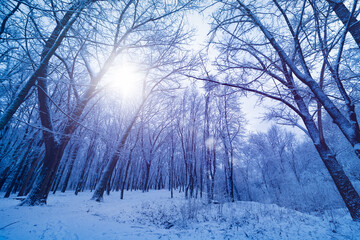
(165, 215)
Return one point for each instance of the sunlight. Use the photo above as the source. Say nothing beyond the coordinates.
(125, 80)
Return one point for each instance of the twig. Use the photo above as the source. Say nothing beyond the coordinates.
(8, 225)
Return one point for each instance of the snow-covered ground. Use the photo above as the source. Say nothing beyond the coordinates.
(155, 215)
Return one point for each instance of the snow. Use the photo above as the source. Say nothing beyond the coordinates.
(154, 215)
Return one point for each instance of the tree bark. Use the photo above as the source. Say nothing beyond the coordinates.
(344, 186)
(18, 167)
(70, 168)
(126, 174)
(344, 15)
(106, 175)
(35, 161)
(88, 161)
(39, 193)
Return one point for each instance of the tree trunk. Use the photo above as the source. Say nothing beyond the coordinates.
(40, 190)
(347, 191)
(171, 171)
(70, 168)
(34, 163)
(48, 51)
(106, 175)
(231, 178)
(4, 176)
(344, 14)
(350, 130)
(60, 173)
(87, 164)
(18, 167)
(7, 171)
(126, 174)
(87, 174)
(207, 155)
(147, 176)
(342, 182)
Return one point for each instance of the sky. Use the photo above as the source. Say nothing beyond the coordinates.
(254, 112)
(117, 82)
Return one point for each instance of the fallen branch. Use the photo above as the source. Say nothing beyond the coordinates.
(8, 225)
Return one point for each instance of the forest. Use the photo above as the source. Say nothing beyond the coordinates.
(232, 106)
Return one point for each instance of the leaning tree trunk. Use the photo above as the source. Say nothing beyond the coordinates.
(51, 45)
(344, 186)
(88, 161)
(126, 173)
(345, 15)
(106, 175)
(350, 130)
(39, 193)
(342, 182)
(6, 173)
(59, 174)
(19, 167)
(34, 163)
(70, 168)
(53, 149)
(4, 176)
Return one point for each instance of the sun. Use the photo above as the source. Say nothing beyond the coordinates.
(124, 80)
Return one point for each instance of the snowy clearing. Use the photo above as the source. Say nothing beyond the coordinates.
(155, 215)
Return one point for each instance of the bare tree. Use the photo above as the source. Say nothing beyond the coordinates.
(127, 34)
(51, 45)
(163, 68)
(267, 69)
(230, 128)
